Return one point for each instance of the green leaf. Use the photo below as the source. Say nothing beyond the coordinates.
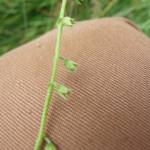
(50, 146)
(62, 91)
(70, 65)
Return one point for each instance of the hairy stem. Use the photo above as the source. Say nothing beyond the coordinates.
(41, 134)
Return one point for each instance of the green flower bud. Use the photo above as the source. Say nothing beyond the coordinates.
(62, 90)
(50, 146)
(67, 21)
(70, 65)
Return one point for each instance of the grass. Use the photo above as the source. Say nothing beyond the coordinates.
(22, 21)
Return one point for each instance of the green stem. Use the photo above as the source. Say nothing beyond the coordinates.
(41, 134)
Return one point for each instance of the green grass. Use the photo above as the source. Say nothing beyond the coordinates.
(22, 21)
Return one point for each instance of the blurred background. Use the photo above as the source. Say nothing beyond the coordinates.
(24, 20)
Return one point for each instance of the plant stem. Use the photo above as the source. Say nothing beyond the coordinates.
(41, 134)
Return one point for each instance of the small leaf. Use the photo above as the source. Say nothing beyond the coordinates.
(62, 91)
(50, 146)
(70, 65)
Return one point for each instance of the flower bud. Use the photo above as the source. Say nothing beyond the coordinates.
(50, 146)
(62, 90)
(70, 65)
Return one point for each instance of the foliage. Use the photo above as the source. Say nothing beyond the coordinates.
(22, 21)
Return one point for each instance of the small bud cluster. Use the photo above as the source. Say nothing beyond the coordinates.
(62, 90)
(66, 21)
